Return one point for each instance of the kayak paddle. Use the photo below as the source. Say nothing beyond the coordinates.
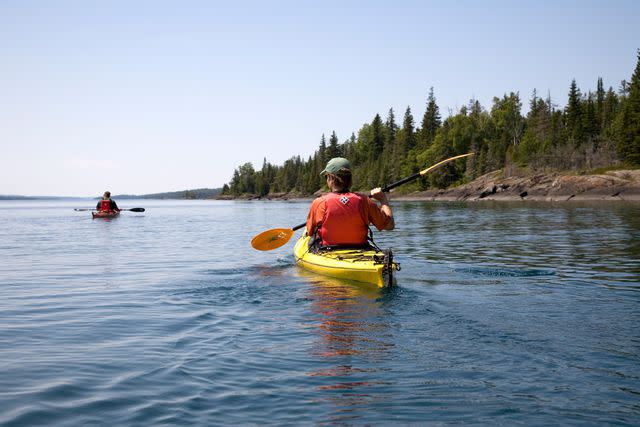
(276, 237)
(132, 209)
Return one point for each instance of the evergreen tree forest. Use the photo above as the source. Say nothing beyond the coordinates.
(598, 129)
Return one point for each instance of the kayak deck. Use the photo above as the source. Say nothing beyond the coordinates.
(362, 265)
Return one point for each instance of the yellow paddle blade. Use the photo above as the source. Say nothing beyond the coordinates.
(437, 165)
(271, 239)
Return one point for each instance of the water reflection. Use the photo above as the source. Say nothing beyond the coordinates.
(353, 337)
(351, 320)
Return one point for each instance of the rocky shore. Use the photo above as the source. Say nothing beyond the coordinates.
(612, 185)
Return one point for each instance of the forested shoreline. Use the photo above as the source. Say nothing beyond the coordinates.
(595, 130)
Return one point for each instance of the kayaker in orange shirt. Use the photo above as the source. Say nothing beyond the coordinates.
(106, 204)
(342, 218)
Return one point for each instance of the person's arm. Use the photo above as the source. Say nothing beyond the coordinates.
(98, 205)
(114, 206)
(315, 212)
(384, 221)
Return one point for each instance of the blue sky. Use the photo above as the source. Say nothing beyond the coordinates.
(148, 96)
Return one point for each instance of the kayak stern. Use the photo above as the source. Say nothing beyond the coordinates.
(361, 265)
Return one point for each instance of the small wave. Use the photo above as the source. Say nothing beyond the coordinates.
(261, 269)
(225, 271)
(505, 272)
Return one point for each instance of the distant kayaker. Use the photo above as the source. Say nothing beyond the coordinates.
(106, 204)
(342, 218)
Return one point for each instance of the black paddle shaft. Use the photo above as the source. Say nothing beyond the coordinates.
(390, 187)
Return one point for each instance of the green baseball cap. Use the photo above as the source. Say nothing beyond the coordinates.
(335, 164)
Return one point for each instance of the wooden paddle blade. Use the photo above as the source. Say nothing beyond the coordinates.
(437, 165)
(271, 239)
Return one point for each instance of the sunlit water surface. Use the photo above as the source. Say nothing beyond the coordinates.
(503, 313)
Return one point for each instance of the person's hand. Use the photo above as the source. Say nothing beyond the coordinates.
(379, 195)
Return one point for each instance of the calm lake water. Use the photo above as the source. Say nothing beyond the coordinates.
(504, 313)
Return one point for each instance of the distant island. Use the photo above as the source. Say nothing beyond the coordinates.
(196, 194)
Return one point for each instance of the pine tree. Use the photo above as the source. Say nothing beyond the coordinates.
(322, 151)
(479, 119)
(431, 121)
(629, 122)
(590, 118)
(573, 114)
(600, 94)
(320, 160)
(377, 141)
(333, 150)
(308, 179)
(348, 149)
(391, 131)
(263, 179)
(407, 146)
(390, 167)
(409, 132)
(609, 110)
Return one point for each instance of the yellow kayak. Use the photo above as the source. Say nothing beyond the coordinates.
(362, 265)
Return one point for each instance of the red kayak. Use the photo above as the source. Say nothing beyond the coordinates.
(105, 214)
